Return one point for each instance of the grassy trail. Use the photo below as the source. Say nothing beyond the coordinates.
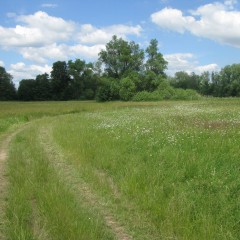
(79, 187)
(42, 202)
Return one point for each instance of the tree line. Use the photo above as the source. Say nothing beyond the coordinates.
(123, 71)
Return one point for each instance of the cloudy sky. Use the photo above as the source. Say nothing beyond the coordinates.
(194, 35)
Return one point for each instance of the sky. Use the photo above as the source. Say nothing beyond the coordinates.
(193, 36)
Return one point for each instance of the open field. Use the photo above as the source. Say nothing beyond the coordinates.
(86, 170)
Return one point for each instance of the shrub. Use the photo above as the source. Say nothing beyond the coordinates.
(127, 89)
(108, 90)
(167, 93)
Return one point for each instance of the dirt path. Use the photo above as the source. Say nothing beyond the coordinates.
(79, 186)
(3, 181)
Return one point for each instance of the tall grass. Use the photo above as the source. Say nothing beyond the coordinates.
(163, 170)
(178, 164)
(40, 204)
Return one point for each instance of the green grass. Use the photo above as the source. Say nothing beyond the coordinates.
(40, 204)
(166, 170)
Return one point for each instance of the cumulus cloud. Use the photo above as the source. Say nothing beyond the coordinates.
(61, 52)
(187, 62)
(40, 37)
(172, 19)
(90, 34)
(22, 71)
(36, 30)
(215, 21)
(40, 29)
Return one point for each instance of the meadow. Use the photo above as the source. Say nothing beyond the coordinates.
(122, 170)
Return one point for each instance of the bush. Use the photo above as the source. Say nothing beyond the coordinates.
(127, 89)
(187, 94)
(168, 93)
(108, 90)
(146, 96)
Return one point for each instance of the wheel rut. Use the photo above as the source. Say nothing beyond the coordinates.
(79, 186)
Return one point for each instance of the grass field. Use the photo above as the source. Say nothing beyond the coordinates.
(86, 170)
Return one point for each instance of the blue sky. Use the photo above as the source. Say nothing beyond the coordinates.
(197, 35)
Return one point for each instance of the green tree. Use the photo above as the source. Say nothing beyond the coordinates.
(60, 81)
(230, 80)
(83, 79)
(155, 62)
(75, 71)
(205, 84)
(27, 90)
(43, 87)
(226, 83)
(151, 81)
(108, 90)
(121, 57)
(7, 88)
(186, 81)
(127, 89)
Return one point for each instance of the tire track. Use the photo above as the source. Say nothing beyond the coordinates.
(78, 185)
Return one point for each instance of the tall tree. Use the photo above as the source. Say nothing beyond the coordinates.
(121, 57)
(60, 81)
(27, 90)
(43, 88)
(205, 84)
(75, 71)
(155, 63)
(83, 79)
(7, 88)
(186, 81)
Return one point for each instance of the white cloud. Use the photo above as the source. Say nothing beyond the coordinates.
(213, 67)
(172, 19)
(90, 34)
(39, 37)
(1, 63)
(22, 71)
(187, 62)
(49, 5)
(36, 30)
(61, 52)
(215, 21)
(40, 29)
(89, 52)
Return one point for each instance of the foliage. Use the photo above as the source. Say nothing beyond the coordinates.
(155, 63)
(121, 57)
(43, 87)
(108, 90)
(225, 83)
(127, 89)
(27, 90)
(83, 82)
(186, 81)
(7, 88)
(166, 92)
(60, 81)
